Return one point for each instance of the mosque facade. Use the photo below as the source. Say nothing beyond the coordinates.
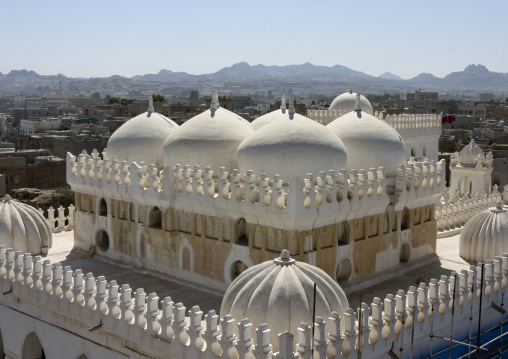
(217, 195)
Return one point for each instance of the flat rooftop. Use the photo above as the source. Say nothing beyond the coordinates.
(444, 262)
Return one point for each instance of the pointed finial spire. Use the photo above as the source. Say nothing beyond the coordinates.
(150, 105)
(215, 100)
(291, 110)
(7, 197)
(350, 87)
(283, 103)
(357, 104)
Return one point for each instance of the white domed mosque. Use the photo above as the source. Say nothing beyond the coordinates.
(232, 194)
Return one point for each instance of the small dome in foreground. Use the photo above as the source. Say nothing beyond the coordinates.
(280, 293)
(23, 228)
(485, 235)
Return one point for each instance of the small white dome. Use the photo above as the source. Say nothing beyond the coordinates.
(208, 139)
(369, 142)
(346, 102)
(23, 228)
(469, 154)
(270, 116)
(291, 146)
(141, 138)
(280, 293)
(485, 235)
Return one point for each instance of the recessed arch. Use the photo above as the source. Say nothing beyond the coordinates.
(344, 270)
(424, 151)
(242, 232)
(32, 347)
(406, 219)
(405, 253)
(237, 268)
(155, 218)
(102, 240)
(413, 152)
(343, 237)
(103, 207)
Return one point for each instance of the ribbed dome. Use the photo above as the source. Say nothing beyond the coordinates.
(23, 228)
(469, 154)
(346, 102)
(485, 235)
(141, 138)
(208, 139)
(369, 141)
(280, 293)
(291, 146)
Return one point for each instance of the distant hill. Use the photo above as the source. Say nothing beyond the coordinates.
(389, 76)
(245, 78)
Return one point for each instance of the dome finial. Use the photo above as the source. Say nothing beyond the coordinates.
(499, 205)
(357, 104)
(150, 105)
(215, 100)
(7, 197)
(291, 110)
(284, 259)
(283, 103)
(350, 87)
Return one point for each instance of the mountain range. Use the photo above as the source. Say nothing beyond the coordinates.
(305, 78)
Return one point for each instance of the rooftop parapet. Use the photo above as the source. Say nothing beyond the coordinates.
(367, 191)
(401, 322)
(407, 125)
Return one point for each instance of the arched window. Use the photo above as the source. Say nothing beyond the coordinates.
(103, 207)
(424, 151)
(237, 268)
(343, 233)
(102, 240)
(242, 232)
(32, 347)
(413, 152)
(155, 218)
(406, 219)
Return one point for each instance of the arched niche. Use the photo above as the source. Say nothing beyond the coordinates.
(32, 347)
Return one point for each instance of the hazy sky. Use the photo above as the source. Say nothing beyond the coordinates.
(110, 37)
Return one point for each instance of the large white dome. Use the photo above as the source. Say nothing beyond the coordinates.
(485, 235)
(141, 138)
(280, 293)
(346, 102)
(208, 139)
(469, 154)
(291, 146)
(23, 228)
(369, 142)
